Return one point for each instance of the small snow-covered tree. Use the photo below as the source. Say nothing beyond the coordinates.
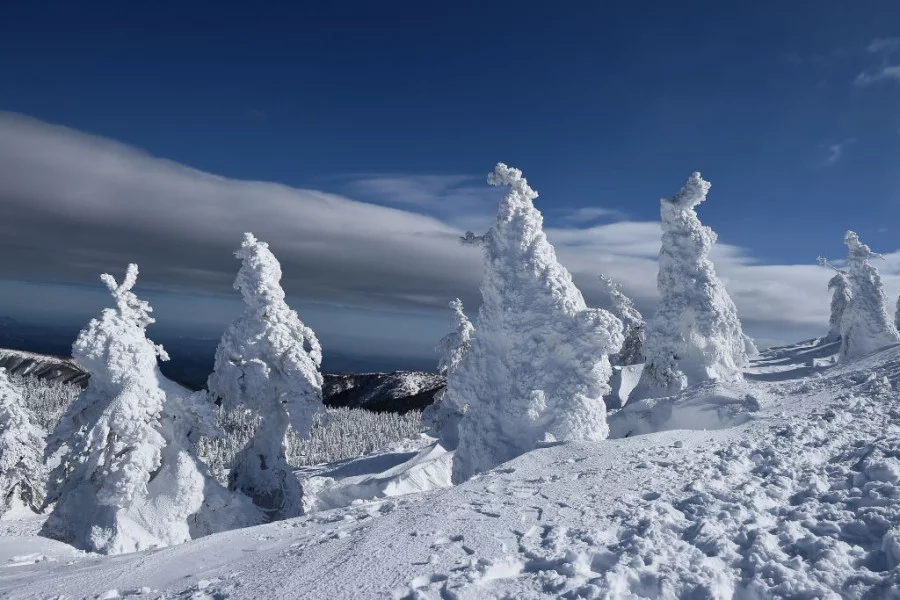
(129, 480)
(897, 314)
(268, 363)
(442, 418)
(22, 472)
(635, 327)
(866, 324)
(537, 367)
(695, 334)
(839, 285)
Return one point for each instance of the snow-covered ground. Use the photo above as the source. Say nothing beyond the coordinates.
(786, 485)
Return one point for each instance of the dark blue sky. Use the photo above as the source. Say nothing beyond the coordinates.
(786, 107)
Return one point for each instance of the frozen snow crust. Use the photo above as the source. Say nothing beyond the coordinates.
(797, 495)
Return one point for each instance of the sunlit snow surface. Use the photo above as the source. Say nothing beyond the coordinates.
(793, 492)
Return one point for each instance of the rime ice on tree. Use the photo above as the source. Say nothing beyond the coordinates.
(696, 334)
(129, 481)
(839, 285)
(537, 367)
(442, 417)
(635, 328)
(866, 324)
(268, 362)
(21, 452)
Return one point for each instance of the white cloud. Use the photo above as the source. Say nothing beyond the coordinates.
(836, 151)
(883, 45)
(590, 214)
(872, 76)
(73, 205)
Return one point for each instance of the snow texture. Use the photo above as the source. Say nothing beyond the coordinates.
(695, 334)
(537, 367)
(442, 417)
(635, 327)
(22, 472)
(129, 480)
(268, 363)
(797, 498)
(866, 324)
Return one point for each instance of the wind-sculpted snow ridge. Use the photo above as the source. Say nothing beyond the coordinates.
(268, 363)
(695, 334)
(537, 367)
(866, 324)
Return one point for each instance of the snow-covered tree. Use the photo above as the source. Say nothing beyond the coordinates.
(129, 480)
(22, 472)
(897, 314)
(442, 418)
(268, 363)
(635, 327)
(866, 324)
(695, 334)
(839, 285)
(537, 367)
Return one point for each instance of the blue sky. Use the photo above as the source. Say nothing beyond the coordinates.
(792, 110)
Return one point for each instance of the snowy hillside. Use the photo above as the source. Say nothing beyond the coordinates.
(44, 366)
(791, 490)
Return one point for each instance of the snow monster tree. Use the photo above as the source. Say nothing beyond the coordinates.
(866, 324)
(268, 363)
(695, 334)
(537, 367)
(130, 480)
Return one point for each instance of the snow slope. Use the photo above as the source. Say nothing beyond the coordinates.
(796, 494)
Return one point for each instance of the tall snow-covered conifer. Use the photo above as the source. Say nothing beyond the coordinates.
(442, 417)
(22, 472)
(537, 367)
(129, 481)
(632, 319)
(866, 324)
(695, 334)
(268, 362)
(840, 299)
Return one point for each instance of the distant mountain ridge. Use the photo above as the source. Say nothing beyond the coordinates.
(43, 366)
(398, 391)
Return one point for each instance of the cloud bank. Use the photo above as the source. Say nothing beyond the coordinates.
(74, 205)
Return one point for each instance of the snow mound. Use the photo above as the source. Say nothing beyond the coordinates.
(360, 479)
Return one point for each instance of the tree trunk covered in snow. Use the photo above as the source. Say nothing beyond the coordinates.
(696, 334)
(268, 363)
(537, 367)
(866, 324)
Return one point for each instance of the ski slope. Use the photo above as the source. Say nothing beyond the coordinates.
(785, 485)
